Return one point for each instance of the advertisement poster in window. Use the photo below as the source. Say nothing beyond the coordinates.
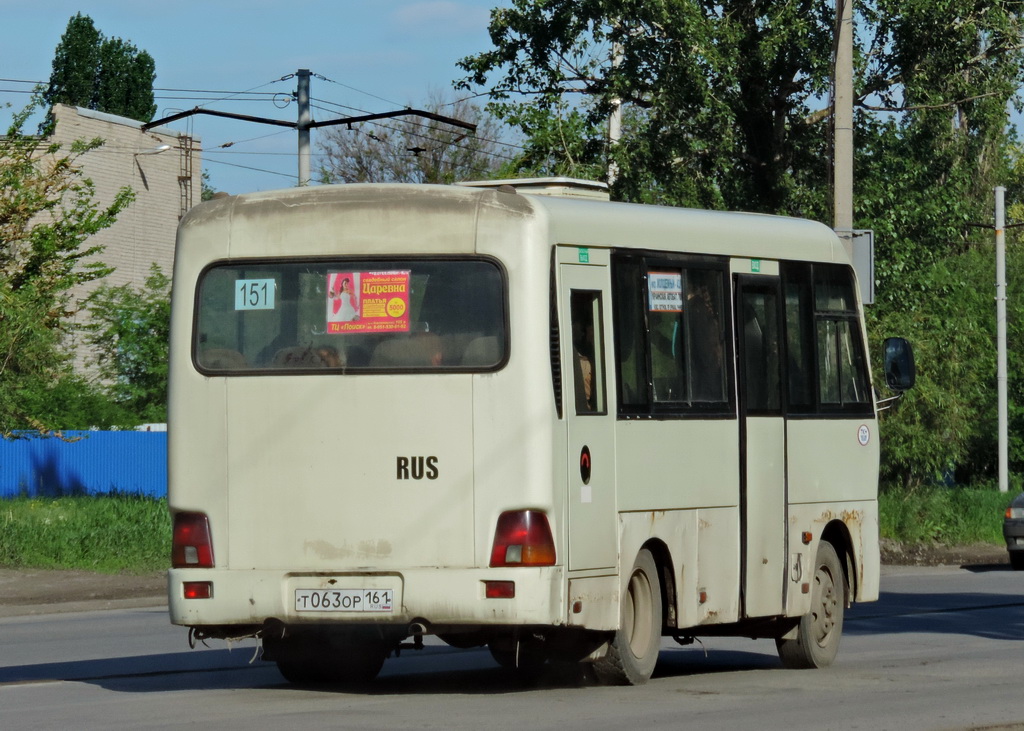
(367, 302)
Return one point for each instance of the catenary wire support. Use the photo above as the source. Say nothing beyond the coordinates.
(305, 123)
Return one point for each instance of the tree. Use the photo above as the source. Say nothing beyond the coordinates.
(716, 106)
(935, 142)
(106, 74)
(125, 81)
(76, 62)
(725, 106)
(47, 214)
(414, 149)
(208, 191)
(130, 332)
(723, 100)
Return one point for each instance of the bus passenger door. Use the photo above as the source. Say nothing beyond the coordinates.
(585, 349)
(762, 446)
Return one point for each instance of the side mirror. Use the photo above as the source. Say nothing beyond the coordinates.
(900, 372)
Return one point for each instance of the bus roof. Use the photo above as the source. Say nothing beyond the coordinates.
(570, 220)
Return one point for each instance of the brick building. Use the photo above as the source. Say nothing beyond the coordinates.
(163, 168)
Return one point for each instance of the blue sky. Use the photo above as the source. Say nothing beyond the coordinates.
(378, 55)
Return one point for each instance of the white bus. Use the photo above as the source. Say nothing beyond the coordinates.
(518, 416)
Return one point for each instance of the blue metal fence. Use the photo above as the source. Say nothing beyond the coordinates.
(88, 463)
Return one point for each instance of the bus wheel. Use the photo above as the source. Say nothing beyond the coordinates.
(308, 671)
(633, 651)
(352, 664)
(819, 631)
(528, 661)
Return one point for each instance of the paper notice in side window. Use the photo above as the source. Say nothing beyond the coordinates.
(665, 291)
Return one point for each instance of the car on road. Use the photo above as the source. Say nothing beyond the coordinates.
(1013, 532)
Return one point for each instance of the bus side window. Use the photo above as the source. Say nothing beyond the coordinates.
(630, 335)
(672, 352)
(761, 351)
(800, 339)
(827, 367)
(842, 369)
(705, 336)
(588, 360)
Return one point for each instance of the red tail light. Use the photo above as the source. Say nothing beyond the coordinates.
(523, 538)
(192, 547)
(197, 589)
(500, 589)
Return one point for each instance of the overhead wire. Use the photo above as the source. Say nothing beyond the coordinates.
(231, 95)
(248, 167)
(360, 91)
(428, 138)
(232, 143)
(210, 96)
(416, 123)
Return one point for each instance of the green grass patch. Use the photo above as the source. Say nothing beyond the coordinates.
(948, 515)
(127, 533)
(106, 533)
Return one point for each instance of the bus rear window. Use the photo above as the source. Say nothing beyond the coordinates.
(351, 316)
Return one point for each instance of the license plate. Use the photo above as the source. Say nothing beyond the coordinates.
(344, 600)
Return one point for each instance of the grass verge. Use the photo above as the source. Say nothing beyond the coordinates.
(107, 533)
(126, 533)
(948, 515)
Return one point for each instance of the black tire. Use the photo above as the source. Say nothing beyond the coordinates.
(1017, 560)
(528, 662)
(308, 665)
(820, 630)
(309, 671)
(633, 652)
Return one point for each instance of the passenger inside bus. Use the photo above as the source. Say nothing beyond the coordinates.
(582, 309)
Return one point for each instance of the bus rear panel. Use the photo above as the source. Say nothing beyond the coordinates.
(504, 418)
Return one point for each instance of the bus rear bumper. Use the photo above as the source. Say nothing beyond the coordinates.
(433, 598)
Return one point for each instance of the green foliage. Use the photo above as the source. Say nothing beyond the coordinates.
(107, 533)
(107, 74)
(47, 214)
(561, 143)
(930, 432)
(75, 63)
(120, 532)
(947, 425)
(125, 81)
(722, 110)
(130, 331)
(716, 106)
(720, 98)
(73, 402)
(208, 191)
(926, 174)
(951, 516)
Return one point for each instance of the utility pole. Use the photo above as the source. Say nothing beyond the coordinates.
(305, 122)
(614, 121)
(842, 121)
(1001, 377)
(302, 97)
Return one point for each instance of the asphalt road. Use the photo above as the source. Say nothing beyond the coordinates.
(939, 651)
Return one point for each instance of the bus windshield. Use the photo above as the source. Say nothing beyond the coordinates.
(351, 315)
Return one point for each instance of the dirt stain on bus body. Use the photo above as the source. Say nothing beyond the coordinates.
(364, 549)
